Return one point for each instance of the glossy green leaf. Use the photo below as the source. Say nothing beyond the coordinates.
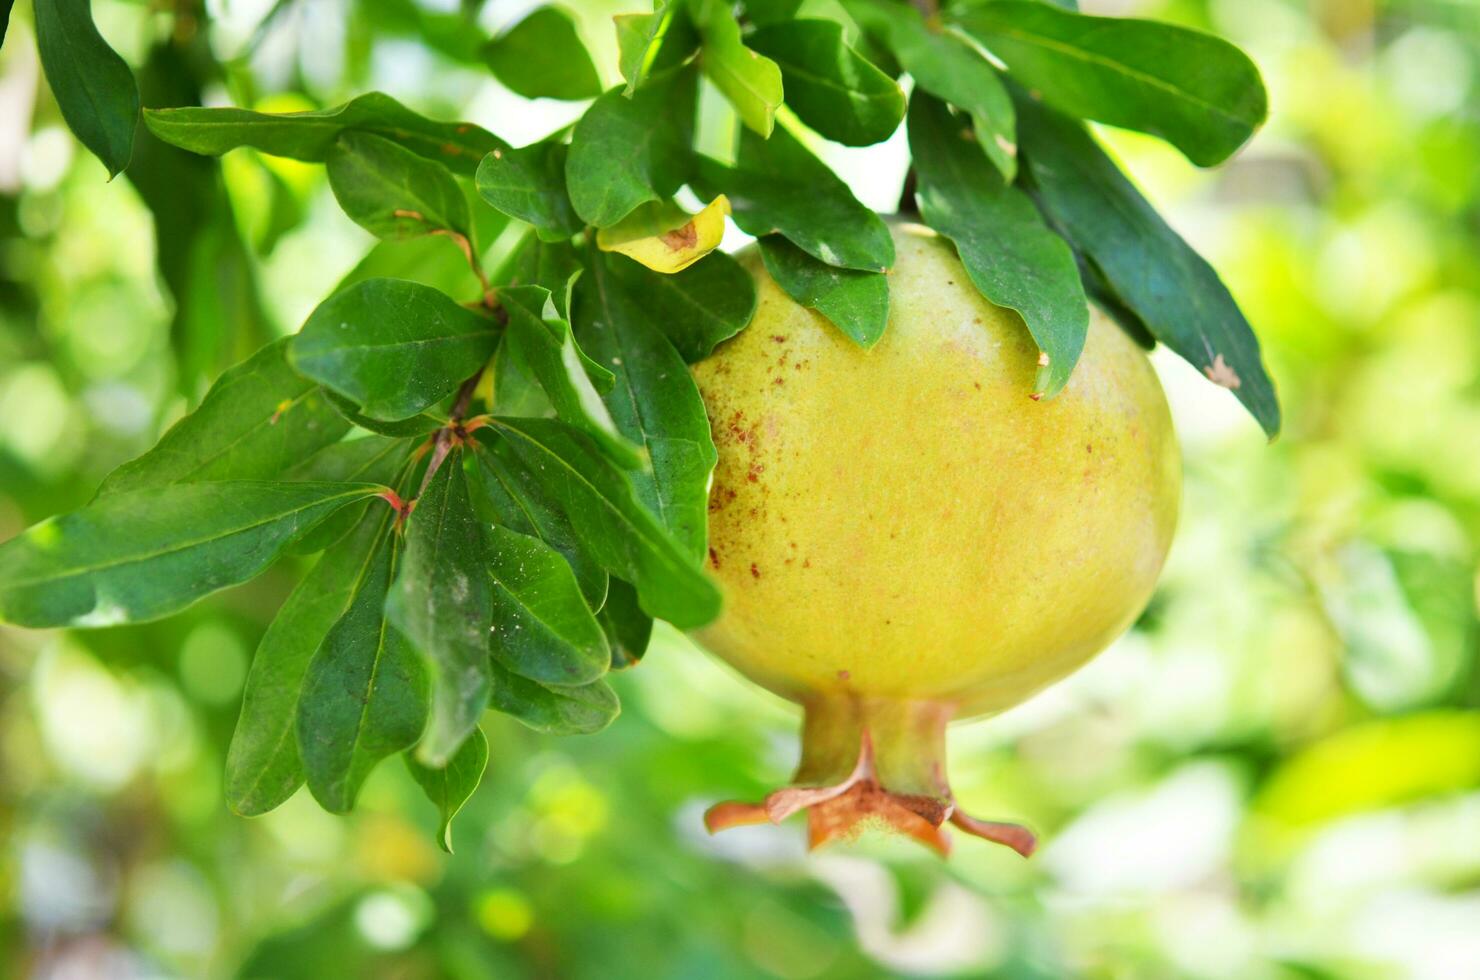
(369, 459)
(655, 403)
(432, 260)
(365, 691)
(1196, 91)
(778, 186)
(443, 602)
(948, 68)
(582, 710)
(394, 347)
(619, 532)
(627, 151)
(542, 57)
(542, 627)
(92, 84)
(392, 192)
(763, 13)
(749, 80)
(408, 428)
(831, 87)
(1012, 257)
(452, 785)
(698, 308)
(258, 419)
(311, 135)
(547, 345)
(263, 765)
(856, 302)
(529, 184)
(136, 556)
(1153, 271)
(506, 493)
(628, 628)
(649, 44)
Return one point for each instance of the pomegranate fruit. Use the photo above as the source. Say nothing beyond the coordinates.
(904, 536)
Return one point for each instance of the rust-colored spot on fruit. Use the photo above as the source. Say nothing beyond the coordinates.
(754, 571)
(714, 557)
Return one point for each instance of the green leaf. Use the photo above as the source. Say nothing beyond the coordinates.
(1196, 91)
(582, 710)
(750, 81)
(857, 303)
(619, 532)
(443, 601)
(1154, 272)
(433, 260)
(258, 419)
(541, 263)
(394, 193)
(409, 428)
(542, 627)
(948, 68)
(763, 13)
(263, 765)
(655, 403)
(649, 44)
(542, 57)
(394, 347)
(365, 691)
(628, 151)
(628, 628)
(1012, 257)
(698, 308)
(505, 492)
(92, 84)
(529, 184)
(831, 87)
(310, 136)
(545, 343)
(452, 786)
(136, 556)
(778, 186)
(369, 459)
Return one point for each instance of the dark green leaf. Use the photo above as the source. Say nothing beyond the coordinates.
(443, 602)
(751, 82)
(619, 532)
(505, 492)
(1196, 91)
(1173, 290)
(545, 343)
(394, 347)
(136, 556)
(831, 87)
(763, 13)
(948, 68)
(392, 192)
(258, 419)
(581, 710)
(1012, 257)
(778, 186)
(450, 787)
(649, 44)
(410, 428)
(542, 263)
(434, 260)
(370, 459)
(365, 691)
(704, 305)
(542, 57)
(655, 403)
(542, 627)
(529, 184)
(627, 151)
(311, 135)
(628, 628)
(92, 84)
(856, 302)
(263, 766)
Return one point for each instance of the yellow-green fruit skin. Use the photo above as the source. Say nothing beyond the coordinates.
(906, 522)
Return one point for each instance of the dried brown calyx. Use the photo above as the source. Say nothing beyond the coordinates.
(872, 762)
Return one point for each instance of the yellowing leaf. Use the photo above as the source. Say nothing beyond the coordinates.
(666, 238)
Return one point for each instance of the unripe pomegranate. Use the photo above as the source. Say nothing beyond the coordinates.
(904, 536)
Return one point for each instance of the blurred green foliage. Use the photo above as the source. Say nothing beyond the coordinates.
(1276, 774)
